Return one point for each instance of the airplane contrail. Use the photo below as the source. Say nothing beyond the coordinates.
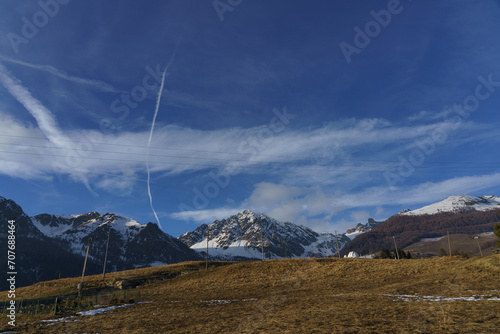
(158, 100)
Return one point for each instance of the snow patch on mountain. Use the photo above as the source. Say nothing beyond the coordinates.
(458, 204)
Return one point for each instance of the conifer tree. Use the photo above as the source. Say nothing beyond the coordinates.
(442, 252)
(385, 254)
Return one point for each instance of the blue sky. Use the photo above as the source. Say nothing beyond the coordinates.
(320, 113)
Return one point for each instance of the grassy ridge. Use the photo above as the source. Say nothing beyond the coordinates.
(300, 296)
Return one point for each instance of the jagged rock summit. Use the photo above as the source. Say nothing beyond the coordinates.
(239, 237)
(361, 228)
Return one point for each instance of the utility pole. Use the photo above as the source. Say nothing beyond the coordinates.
(337, 244)
(286, 256)
(106, 256)
(208, 236)
(478, 245)
(262, 243)
(449, 243)
(397, 253)
(80, 286)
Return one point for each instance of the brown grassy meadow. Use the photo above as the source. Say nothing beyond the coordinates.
(290, 296)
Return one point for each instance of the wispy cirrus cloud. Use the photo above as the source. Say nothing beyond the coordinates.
(91, 83)
(206, 216)
(324, 154)
(44, 117)
(421, 193)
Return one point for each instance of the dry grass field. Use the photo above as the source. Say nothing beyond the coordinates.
(291, 296)
(461, 243)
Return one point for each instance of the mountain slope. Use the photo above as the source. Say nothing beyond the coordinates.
(37, 257)
(457, 214)
(457, 204)
(239, 237)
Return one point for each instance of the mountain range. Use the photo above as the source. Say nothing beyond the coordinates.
(50, 245)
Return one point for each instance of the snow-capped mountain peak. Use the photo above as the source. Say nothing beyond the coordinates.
(130, 241)
(457, 204)
(70, 227)
(241, 236)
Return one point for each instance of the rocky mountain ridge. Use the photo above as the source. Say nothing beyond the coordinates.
(49, 245)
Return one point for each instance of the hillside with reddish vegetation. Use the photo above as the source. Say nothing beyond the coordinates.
(408, 229)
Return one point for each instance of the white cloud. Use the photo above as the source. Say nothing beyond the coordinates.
(423, 114)
(427, 192)
(360, 215)
(269, 195)
(293, 204)
(324, 213)
(206, 216)
(430, 116)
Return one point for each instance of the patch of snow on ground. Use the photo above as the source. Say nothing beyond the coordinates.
(157, 264)
(418, 298)
(225, 301)
(101, 310)
(431, 239)
(58, 320)
(87, 313)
